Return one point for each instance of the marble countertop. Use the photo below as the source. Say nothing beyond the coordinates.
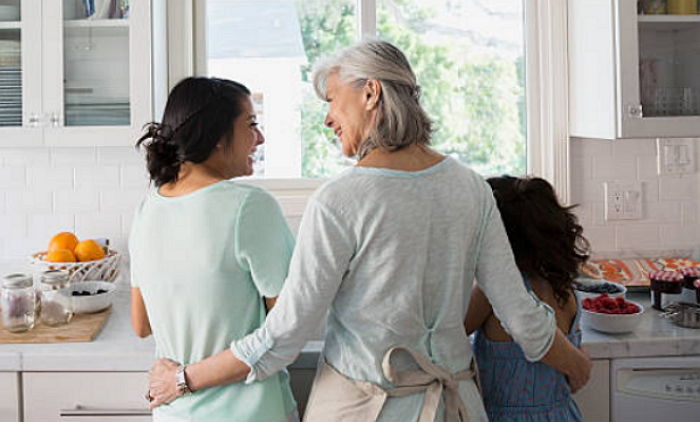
(117, 349)
(655, 336)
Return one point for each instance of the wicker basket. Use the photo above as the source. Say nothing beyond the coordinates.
(105, 269)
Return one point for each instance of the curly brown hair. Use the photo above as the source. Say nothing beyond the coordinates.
(545, 236)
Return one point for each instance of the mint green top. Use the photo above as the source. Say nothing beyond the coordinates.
(204, 261)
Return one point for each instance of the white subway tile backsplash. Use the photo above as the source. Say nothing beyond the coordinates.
(690, 213)
(94, 176)
(73, 156)
(650, 190)
(637, 235)
(3, 209)
(680, 235)
(44, 226)
(13, 226)
(663, 212)
(96, 225)
(120, 201)
(600, 238)
(13, 177)
(119, 156)
(50, 178)
(134, 176)
(581, 168)
(647, 167)
(29, 201)
(587, 191)
(615, 168)
(25, 156)
(591, 147)
(684, 188)
(631, 147)
(69, 201)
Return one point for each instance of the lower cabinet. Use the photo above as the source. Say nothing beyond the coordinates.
(85, 397)
(9, 397)
(594, 399)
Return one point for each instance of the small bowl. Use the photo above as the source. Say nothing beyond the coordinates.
(94, 302)
(612, 323)
(590, 282)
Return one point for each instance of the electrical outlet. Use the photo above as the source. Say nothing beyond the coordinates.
(676, 156)
(623, 201)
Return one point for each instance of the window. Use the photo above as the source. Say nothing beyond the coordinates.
(468, 56)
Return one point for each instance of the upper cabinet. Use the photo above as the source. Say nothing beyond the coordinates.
(74, 72)
(632, 75)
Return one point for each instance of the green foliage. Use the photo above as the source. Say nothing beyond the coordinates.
(475, 98)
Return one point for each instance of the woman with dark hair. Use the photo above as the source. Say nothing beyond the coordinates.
(208, 255)
(549, 247)
(388, 250)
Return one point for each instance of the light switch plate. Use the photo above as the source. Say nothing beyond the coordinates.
(623, 200)
(676, 156)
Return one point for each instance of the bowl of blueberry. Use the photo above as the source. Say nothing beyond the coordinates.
(91, 296)
(591, 288)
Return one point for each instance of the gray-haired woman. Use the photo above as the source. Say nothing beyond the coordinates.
(389, 250)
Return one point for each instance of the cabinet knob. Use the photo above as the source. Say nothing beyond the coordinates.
(33, 120)
(55, 119)
(635, 110)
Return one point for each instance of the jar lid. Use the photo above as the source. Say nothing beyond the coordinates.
(691, 271)
(17, 281)
(54, 277)
(666, 276)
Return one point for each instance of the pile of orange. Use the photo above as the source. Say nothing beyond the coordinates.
(65, 247)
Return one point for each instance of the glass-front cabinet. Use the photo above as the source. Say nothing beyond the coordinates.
(74, 72)
(635, 68)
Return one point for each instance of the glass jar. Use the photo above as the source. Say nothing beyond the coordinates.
(56, 303)
(682, 7)
(18, 302)
(654, 7)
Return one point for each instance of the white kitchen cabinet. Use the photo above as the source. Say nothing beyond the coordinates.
(71, 80)
(85, 397)
(9, 397)
(594, 399)
(632, 76)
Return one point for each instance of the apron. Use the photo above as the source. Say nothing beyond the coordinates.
(334, 397)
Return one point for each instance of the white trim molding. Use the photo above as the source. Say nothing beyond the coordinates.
(547, 93)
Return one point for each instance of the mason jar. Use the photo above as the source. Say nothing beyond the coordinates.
(56, 302)
(18, 302)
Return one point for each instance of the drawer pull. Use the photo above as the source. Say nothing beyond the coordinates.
(104, 412)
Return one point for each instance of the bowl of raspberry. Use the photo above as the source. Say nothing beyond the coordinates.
(611, 315)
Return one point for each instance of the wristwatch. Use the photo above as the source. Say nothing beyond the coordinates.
(181, 381)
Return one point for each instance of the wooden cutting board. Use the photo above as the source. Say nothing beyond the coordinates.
(83, 327)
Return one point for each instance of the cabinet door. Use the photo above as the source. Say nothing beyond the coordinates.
(659, 88)
(20, 73)
(97, 71)
(594, 398)
(85, 396)
(9, 397)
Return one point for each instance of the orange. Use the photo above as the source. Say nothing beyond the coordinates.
(60, 255)
(89, 250)
(63, 240)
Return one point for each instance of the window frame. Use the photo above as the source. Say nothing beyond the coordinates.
(546, 86)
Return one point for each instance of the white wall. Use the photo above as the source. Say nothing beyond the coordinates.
(93, 192)
(90, 191)
(670, 203)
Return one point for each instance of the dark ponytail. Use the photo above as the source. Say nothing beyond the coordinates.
(199, 112)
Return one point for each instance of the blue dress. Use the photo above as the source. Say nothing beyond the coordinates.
(515, 390)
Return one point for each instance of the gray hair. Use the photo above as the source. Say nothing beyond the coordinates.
(401, 121)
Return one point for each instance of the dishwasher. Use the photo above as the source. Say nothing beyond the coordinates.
(657, 389)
